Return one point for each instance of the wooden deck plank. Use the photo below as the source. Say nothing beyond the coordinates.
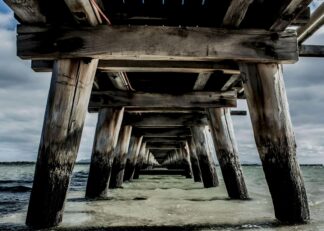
(164, 119)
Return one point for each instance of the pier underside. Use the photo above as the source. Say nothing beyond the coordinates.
(164, 77)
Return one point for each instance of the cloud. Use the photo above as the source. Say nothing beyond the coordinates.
(23, 95)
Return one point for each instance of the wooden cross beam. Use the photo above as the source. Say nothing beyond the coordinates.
(183, 132)
(165, 119)
(162, 154)
(172, 143)
(138, 110)
(165, 139)
(166, 66)
(150, 66)
(162, 100)
(157, 43)
(162, 146)
(311, 51)
(135, 110)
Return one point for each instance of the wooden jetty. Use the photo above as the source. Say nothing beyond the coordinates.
(162, 76)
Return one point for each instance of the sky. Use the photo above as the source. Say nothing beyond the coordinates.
(23, 95)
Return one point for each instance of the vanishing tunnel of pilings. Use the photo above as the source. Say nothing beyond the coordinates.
(163, 93)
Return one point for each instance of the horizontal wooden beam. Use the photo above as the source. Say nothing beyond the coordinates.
(165, 119)
(42, 65)
(162, 146)
(167, 66)
(163, 132)
(165, 139)
(311, 51)
(159, 172)
(150, 66)
(157, 43)
(169, 110)
(156, 100)
(162, 154)
(138, 110)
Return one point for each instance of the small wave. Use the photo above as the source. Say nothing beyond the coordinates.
(316, 203)
(15, 189)
(16, 181)
(81, 174)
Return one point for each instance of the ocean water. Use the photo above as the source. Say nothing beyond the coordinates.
(160, 203)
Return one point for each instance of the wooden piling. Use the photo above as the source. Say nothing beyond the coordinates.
(194, 161)
(273, 132)
(117, 173)
(207, 166)
(227, 153)
(185, 154)
(107, 132)
(139, 161)
(134, 148)
(66, 108)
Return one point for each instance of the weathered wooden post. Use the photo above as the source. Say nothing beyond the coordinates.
(139, 161)
(117, 172)
(273, 132)
(107, 132)
(194, 161)
(227, 153)
(185, 154)
(66, 108)
(150, 161)
(207, 166)
(134, 148)
(146, 158)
